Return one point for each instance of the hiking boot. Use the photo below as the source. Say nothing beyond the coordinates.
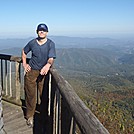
(30, 122)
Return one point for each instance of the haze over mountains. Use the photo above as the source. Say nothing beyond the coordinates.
(91, 55)
(67, 42)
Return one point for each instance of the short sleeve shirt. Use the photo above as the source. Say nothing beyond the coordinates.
(40, 53)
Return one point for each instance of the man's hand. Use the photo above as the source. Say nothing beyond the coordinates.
(45, 69)
(27, 68)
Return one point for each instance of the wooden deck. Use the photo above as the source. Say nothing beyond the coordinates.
(14, 122)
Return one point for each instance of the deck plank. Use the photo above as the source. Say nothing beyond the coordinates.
(14, 122)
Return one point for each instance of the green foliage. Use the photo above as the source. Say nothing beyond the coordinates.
(111, 99)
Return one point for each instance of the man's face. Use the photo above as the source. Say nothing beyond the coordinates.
(42, 34)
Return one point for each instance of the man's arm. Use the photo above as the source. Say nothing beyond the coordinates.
(24, 58)
(50, 61)
(46, 68)
(25, 65)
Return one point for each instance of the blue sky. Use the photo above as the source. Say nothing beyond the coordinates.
(83, 18)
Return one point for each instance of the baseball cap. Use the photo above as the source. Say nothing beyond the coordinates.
(42, 27)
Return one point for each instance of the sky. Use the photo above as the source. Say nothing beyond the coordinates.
(77, 18)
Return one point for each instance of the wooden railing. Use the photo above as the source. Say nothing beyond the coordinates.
(66, 113)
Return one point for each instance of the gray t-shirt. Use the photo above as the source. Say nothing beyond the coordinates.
(40, 53)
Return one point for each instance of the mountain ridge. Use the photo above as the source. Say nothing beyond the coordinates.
(69, 42)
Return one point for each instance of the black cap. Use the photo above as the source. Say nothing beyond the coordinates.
(42, 27)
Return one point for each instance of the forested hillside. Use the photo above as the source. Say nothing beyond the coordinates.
(104, 83)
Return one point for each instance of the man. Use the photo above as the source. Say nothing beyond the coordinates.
(42, 58)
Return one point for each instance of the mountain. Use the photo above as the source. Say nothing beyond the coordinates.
(97, 61)
(86, 60)
(92, 55)
(70, 42)
(16, 51)
(10, 43)
(127, 59)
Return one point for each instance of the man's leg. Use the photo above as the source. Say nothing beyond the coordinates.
(40, 83)
(30, 88)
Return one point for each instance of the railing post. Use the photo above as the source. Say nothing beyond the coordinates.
(73, 126)
(52, 106)
(66, 119)
(57, 113)
(17, 80)
(6, 77)
(10, 78)
(2, 73)
(49, 94)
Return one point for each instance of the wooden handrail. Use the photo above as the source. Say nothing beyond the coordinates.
(10, 58)
(86, 120)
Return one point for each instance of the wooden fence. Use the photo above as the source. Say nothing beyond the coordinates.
(66, 113)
